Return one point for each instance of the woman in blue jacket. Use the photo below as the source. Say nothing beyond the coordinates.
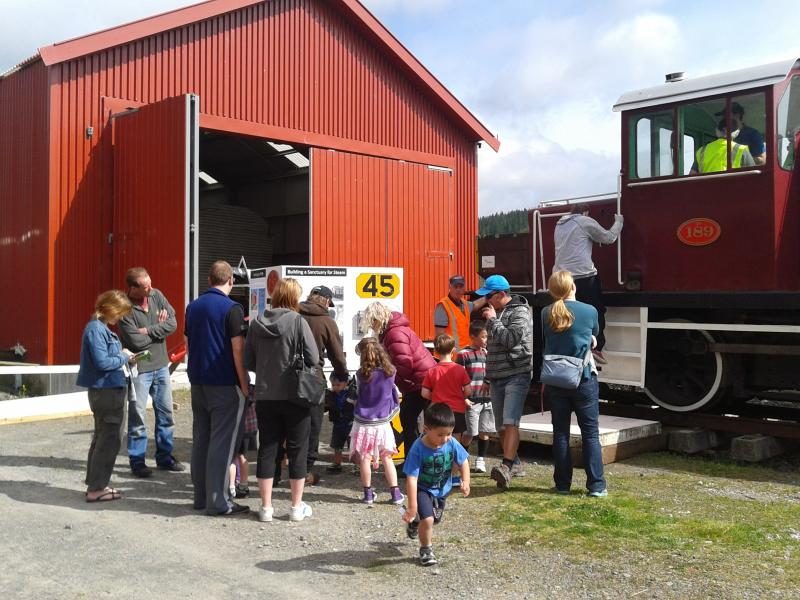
(101, 370)
(569, 329)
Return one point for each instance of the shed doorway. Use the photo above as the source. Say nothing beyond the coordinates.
(253, 202)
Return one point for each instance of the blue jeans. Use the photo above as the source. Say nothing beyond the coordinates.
(156, 384)
(508, 399)
(584, 401)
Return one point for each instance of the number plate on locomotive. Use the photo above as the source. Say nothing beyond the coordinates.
(699, 231)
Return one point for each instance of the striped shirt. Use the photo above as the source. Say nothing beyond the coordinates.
(474, 361)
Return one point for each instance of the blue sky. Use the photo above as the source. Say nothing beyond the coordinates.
(542, 75)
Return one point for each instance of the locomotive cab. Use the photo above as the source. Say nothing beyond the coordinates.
(700, 218)
(710, 192)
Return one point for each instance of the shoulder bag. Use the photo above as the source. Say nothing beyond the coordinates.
(310, 383)
(563, 371)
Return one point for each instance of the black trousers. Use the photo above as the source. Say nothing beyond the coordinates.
(590, 291)
(108, 408)
(413, 403)
(316, 413)
(280, 420)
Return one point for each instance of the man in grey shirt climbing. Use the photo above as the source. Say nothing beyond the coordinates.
(575, 235)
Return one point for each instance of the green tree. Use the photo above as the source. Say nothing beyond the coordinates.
(513, 221)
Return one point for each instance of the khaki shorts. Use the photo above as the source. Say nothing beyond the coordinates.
(480, 419)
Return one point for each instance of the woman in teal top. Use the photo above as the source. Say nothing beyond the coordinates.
(569, 329)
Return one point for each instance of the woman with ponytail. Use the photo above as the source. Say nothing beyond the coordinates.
(569, 329)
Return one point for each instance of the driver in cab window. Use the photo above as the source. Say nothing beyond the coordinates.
(712, 157)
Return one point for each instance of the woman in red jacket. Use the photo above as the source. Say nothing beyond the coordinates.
(411, 359)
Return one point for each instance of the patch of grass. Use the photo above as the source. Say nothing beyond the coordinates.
(730, 521)
(714, 467)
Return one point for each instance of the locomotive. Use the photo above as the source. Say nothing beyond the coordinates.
(703, 284)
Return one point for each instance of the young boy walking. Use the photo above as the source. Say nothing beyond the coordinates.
(428, 468)
(448, 383)
(480, 416)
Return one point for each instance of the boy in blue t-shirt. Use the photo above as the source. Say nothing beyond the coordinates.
(428, 468)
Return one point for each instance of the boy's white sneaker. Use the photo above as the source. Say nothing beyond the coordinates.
(265, 514)
(300, 512)
(480, 465)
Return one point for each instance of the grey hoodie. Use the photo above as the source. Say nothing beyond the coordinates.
(574, 235)
(270, 349)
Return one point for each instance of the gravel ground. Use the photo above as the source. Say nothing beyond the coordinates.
(151, 543)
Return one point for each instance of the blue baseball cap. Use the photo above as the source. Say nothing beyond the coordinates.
(494, 283)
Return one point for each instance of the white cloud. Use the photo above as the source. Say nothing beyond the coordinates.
(410, 7)
(552, 100)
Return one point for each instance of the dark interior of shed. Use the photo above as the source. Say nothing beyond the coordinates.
(254, 201)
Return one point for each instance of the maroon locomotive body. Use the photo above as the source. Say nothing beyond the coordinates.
(703, 285)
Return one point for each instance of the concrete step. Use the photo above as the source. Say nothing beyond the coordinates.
(620, 437)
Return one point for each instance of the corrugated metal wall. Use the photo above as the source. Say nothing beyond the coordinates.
(420, 217)
(24, 211)
(296, 65)
(377, 211)
(349, 209)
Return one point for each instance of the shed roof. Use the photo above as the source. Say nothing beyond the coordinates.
(122, 34)
(720, 83)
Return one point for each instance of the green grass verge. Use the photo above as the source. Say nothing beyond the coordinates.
(685, 513)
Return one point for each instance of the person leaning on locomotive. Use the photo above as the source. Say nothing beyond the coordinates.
(712, 157)
(574, 237)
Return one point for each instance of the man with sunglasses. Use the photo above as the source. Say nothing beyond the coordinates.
(509, 365)
(145, 330)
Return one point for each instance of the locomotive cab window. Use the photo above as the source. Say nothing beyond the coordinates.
(788, 131)
(651, 145)
(722, 135)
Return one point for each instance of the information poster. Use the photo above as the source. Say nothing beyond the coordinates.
(354, 288)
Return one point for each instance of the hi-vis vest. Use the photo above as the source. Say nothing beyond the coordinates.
(457, 321)
(711, 158)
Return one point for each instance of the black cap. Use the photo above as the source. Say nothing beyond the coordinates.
(736, 108)
(324, 291)
(458, 280)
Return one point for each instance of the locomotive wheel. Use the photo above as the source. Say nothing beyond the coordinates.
(682, 375)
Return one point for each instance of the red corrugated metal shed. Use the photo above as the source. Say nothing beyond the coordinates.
(322, 74)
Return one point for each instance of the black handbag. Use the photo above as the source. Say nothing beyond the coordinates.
(310, 383)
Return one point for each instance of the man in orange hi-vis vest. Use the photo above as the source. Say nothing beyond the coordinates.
(451, 315)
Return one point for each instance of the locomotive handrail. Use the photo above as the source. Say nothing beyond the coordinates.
(537, 241)
(698, 178)
(619, 237)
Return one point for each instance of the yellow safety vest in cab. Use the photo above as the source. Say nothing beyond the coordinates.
(711, 158)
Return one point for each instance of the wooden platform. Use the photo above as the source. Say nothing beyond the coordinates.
(620, 438)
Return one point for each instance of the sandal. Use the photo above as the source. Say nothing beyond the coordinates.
(107, 496)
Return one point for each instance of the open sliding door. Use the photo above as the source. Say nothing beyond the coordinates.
(155, 198)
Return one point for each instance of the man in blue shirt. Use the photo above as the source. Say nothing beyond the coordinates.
(215, 331)
(747, 135)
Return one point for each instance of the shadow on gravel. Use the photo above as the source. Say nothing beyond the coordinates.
(46, 462)
(151, 500)
(342, 562)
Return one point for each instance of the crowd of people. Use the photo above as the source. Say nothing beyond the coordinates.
(473, 385)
